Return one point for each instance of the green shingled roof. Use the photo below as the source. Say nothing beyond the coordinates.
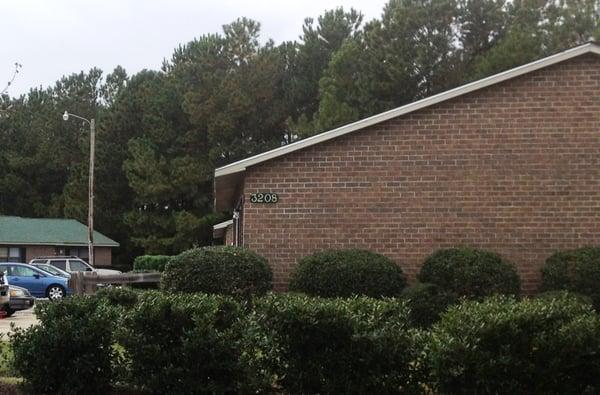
(48, 231)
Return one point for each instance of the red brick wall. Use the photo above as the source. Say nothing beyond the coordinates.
(514, 168)
(35, 251)
(102, 256)
(228, 239)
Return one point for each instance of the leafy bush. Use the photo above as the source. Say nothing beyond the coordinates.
(118, 296)
(574, 270)
(332, 346)
(218, 270)
(470, 272)
(344, 273)
(182, 344)
(501, 345)
(426, 302)
(550, 295)
(71, 351)
(152, 263)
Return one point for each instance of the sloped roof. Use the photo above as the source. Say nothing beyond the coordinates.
(229, 177)
(48, 231)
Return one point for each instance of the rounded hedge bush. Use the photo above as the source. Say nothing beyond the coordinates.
(343, 273)
(470, 272)
(154, 263)
(574, 270)
(426, 302)
(505, 346)
(222, 270)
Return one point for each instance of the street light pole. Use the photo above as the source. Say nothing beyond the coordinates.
(91, 193)
(92, 124)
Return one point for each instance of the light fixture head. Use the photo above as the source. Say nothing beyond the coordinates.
(66, 116)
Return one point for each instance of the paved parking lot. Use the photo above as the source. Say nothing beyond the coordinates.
(21, 319)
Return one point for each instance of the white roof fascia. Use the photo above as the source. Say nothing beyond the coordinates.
(222, 225)
(241, 165)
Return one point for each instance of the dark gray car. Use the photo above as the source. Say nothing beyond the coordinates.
(20, 299)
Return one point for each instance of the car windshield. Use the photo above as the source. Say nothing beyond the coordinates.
(78, 266)
(50, 269)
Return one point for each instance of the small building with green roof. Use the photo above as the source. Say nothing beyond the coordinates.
(22, 239)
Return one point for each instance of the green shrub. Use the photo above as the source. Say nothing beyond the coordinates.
(118, 296)
(504, 346)
(470, 272)
(574, 270)
(70, 351)
(218, 270)
(344, 273)
(426, 302)
(151, 263)
(332, 346)
(182, 344)
(550, 295)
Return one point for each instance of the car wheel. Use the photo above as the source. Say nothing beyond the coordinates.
(55, 292)
(10, 312)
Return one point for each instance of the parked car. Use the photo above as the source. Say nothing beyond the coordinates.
(20, 299)
(4, 294)
(71, 264)
(52, 270)
(38, 282)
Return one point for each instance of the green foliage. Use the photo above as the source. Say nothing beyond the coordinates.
(501, 345)
(182, 344)
(332, 346)
(470, 272)
(426, 302)
(218, 270)
(153, 263)
(342, 273)
(71, 351)
(118, 296)
(406, 55)
(320, 41)
(7, 368)
(574, 270)
(551, 295)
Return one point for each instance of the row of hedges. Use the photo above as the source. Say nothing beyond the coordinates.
(338, 273)
(296, 344)
(463, 272)
(460, 271)
(446, 276)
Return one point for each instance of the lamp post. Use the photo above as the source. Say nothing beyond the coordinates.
(92, 124)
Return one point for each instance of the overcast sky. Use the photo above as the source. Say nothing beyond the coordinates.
(51, 38)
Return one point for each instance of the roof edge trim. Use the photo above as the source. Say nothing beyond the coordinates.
(222, 225)
(65, 244)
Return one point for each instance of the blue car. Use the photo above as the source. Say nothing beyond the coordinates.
(39, 283)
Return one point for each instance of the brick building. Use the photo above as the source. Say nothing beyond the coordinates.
(509, 163)
(22, 239)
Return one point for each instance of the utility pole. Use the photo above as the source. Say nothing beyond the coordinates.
(92, 123)
(91, 192)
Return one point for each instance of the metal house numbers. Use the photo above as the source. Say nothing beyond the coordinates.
(264, 197)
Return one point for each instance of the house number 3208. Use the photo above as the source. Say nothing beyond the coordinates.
(264, 198)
